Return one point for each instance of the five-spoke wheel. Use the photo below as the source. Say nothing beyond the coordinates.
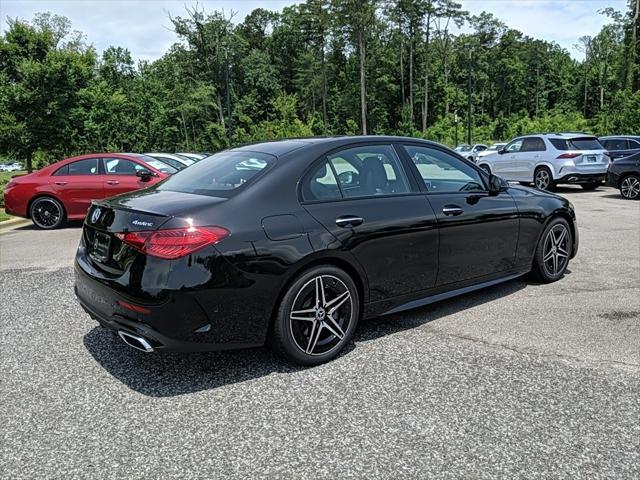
(542, 179)
(630, 187)
(317, 316)
(553, 252)
(47, 213)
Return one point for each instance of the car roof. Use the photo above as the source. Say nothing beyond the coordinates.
(282, 147)
(610, 137)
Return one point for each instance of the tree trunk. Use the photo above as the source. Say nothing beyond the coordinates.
(425, 103)
(363, 92)
(402, 69)
(324, 90)
(411, 73)
(29, 162)
(220, 111)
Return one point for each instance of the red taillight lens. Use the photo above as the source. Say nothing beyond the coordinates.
(569, 155)
(175, 242)
(133, 308)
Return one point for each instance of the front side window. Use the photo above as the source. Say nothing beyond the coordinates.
(368, 171)
(514, 146)
(633, 144)
(444, 173)
(81, 167)
(220, 174)
(121, 166)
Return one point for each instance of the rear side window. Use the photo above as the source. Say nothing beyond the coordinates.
(321, 185)
(220, 174)
(533, 144)
(368, 171)
(634, 144)
(81, 167)
(615, 144)
(584, 143)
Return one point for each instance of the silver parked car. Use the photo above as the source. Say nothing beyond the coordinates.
(470, 152)
(550, 159)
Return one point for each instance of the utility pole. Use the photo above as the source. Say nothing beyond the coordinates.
(456, 122)
(469, 95)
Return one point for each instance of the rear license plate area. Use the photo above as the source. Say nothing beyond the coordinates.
(100, 247)
(590, 159)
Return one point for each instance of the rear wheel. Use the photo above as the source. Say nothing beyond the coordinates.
(542, 179)
(317, 316)
(552, 254)
(591, 185)
(630, 187)
(47, 213)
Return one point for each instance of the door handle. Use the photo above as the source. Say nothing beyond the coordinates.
(113, 182)
(61, 183)
(349, 221)
(451, 210)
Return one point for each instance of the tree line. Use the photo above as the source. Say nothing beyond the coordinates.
(323, 67)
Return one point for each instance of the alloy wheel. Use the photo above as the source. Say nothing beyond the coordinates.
(320, 315)
(556, 250)
(630, 187)
(542, 180)
(46, 213)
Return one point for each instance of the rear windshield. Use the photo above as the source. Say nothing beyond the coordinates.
(220, 174)
(586, 143)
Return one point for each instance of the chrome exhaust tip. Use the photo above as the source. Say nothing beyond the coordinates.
(572, 179)
(135, 341)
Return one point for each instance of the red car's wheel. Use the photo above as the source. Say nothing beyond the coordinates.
(47, 213)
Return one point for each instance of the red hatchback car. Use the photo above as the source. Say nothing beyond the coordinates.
(64, 190)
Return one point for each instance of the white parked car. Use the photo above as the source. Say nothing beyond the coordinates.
(12, 167)
(493, 149)
(550, 159)
(470, 152)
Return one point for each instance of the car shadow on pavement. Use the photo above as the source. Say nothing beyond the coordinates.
(172, 374)
(67, 225)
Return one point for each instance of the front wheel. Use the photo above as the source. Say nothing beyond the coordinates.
(552, 254)
(486, 168)
(630, 187)
(46, 213)
(317, 316)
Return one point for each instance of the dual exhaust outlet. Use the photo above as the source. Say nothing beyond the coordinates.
(135, 341)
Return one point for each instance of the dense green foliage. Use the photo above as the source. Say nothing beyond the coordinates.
(324, 67)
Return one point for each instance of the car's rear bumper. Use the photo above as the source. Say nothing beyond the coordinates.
(169, 325)
(581, 178)
(613, 179)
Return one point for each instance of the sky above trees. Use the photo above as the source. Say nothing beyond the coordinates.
(144, 28)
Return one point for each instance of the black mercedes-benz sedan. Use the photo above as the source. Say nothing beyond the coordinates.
(624, 174)
(293, 242)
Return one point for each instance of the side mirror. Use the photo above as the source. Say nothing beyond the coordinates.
(497, 185)
(502, 151)
(144, 175)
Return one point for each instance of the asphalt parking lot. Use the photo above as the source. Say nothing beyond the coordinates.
(519, 380)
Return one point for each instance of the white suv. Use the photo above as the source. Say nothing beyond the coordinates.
(550, 159)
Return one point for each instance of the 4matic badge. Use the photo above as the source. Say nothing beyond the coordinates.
(141, 223)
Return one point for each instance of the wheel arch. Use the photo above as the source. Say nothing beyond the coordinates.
(545, 164)
(565, 215)
(355, 272)
(42, 195)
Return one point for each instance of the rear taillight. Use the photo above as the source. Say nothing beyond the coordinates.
(175, 242)
(569, 155)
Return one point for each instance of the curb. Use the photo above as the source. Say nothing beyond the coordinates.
(13, 223)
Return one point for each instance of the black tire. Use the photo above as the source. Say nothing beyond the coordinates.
(591, 185)
(545, 268)
(47, 213)
(543, 180)
(525, 184)
(293, 338)
(630, 187)
(486, 168)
